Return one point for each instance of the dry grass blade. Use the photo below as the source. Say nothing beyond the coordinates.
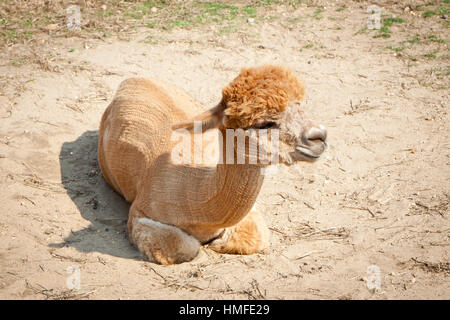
(361, 106)
(67, 258)
(67, 295)
(51, 294)
(307, 254)
(439, 267)
(327, 234)
(35, 182)
(254, 292)
(441, 207)
(256, 288)
(74, 108)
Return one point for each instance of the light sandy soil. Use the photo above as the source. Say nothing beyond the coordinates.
(379, 196)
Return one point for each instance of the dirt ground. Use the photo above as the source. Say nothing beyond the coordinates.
(378, 197)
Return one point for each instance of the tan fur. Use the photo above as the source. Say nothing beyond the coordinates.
(163, 243)
(189, 201)
(249, 236)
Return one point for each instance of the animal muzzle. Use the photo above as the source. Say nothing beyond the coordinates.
(312, 144)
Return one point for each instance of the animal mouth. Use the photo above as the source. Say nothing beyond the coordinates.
(306, 152)
(309, 153)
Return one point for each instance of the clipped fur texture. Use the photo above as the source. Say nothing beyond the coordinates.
(174, 206)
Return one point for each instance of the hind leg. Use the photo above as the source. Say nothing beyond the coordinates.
(162, 243)
(249, 236)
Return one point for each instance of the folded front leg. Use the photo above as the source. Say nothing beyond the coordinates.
(162, 243)
(249, 236)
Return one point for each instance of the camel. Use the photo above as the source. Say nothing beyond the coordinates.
(177, 207)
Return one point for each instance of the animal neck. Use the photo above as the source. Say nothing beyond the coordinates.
(201, 199)
(222, 195)
(238, 186)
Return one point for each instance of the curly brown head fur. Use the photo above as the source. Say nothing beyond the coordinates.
(259, 94)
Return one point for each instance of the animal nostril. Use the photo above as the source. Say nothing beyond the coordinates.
(317, 133)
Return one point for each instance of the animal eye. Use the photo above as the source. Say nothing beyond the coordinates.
(266, 125)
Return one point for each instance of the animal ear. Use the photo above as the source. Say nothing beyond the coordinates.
(209, 119)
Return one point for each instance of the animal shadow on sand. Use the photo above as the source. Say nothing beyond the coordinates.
(96, 201)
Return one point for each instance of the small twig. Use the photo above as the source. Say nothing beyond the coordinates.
(44, 122)
(276, 230)
(308, 205)
(341, 232)
(393, 164)
(361, 208)
(255, 285)
(422, 205)
(67, 258)
(392, 227)
(307, 254)
(157, 273)
(26, 198)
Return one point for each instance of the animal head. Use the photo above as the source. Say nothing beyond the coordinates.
(267, 97)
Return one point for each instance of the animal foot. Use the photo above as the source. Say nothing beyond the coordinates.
(162, 243)
(249, 236)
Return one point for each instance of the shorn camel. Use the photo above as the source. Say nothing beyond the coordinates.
(176, 207)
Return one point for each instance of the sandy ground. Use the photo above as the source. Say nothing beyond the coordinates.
(378, 197)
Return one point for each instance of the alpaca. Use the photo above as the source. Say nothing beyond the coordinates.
(175, 208)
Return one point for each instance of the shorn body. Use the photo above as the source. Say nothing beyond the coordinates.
(176, 207)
